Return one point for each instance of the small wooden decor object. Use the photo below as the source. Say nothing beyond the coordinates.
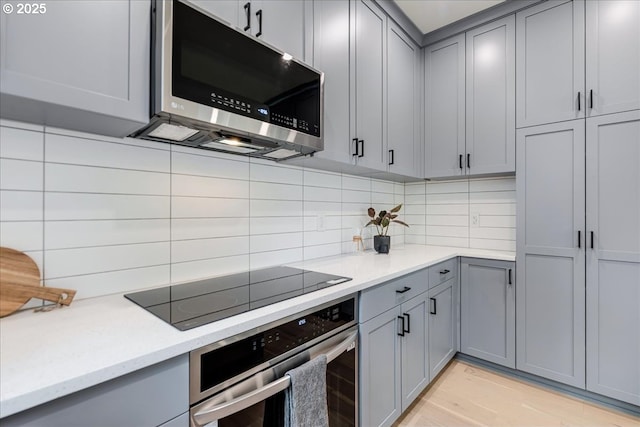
(20, 281)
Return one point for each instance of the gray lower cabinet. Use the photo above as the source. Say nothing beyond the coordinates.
(613, 256)
(393, 348)
(149, 397)
(550, 239)
(415, 366)
(488, 310)
(380, 371)
(92, 76)
(443, 324)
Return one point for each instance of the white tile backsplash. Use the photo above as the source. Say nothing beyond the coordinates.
(105, 215)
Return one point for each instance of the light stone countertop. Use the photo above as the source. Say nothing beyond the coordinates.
(44, 356)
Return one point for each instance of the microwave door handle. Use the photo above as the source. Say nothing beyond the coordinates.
(208, 415)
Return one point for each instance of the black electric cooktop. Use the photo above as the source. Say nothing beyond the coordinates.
(193, 304)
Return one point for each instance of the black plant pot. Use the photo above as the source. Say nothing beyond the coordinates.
(381, 244)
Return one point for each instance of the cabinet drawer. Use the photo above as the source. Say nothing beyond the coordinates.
(442, 272)
(384, 297)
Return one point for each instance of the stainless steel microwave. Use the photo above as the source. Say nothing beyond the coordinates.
(216, 88)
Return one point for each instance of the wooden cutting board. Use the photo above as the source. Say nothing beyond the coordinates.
(20, 281)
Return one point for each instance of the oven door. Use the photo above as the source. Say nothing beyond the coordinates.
(259, 400)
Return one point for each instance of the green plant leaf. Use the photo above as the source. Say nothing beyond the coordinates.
(385, 222)
(397, 208)
(371, 212)
(397, 221)
(382, 214)
(370, 222)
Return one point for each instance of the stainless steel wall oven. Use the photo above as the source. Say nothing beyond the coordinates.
(241, 381)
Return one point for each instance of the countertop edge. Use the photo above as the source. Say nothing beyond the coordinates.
(183, 342)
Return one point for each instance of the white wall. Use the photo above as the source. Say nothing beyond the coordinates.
(104, 215)
(445, 211)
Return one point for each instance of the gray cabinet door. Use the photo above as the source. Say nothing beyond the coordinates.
(550, 240)
(227, 10)
(613, 265)
(415, 360)
(403, 133)
(281, 23)
(442, 325)
(488, 310)
(613, 56)
(444, 101)
(550, 63)
(81, 65)
(369, 29)
(145, 398)
(331, 55)
(490, 102)
(380, 399)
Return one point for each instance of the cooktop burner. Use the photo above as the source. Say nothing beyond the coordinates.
(193, 304)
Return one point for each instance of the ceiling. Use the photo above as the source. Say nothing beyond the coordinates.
(429, 15)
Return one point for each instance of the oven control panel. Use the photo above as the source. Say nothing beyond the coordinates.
(226, 362)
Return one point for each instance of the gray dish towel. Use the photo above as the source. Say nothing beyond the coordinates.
(305, 401)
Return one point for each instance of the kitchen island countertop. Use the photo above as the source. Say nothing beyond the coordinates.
(45, 356)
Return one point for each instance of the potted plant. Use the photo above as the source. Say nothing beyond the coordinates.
(382, 241)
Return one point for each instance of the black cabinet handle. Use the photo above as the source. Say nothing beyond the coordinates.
(510, 278)
(247, 11)
(592, 240)
(460, 161)
(433, 311)
(390, 157)
(402, 331)
(406, 289)
(259, 15)
(468, 160)
(445, 272)
(591, 99)
(578, 101)
(355, 141)
(408, 330)
(579, 239)
(362, 146)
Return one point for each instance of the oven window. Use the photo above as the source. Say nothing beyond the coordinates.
(341, 400)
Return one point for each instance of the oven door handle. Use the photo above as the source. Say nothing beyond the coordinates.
(208, 415)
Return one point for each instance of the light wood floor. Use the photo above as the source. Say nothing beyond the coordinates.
(466, 395)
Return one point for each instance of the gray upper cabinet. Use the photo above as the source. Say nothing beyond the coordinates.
(550, 302)
(230, 11)
(403, 97)
(488, 310)
(444, 124)
(550, 63)
(613, 56)
(368, 106)
(613, 256)
(470, 102)
(490, 88)
(92, 76)
(284, 24)
(331, 56)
